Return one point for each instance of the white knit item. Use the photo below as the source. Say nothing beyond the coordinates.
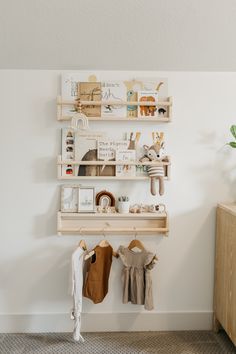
(77, 286)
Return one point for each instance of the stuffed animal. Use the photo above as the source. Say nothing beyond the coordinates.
(156, 153)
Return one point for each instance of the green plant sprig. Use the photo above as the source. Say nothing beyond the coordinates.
(233, 132)
(123, 198)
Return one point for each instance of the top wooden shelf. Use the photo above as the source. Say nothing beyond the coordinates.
(68, 103)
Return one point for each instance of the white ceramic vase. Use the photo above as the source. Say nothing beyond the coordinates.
(123, 207)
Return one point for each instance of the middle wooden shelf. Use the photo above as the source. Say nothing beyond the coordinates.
(61, 162)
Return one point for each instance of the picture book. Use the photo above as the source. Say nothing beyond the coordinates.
(90, 91)
(107, 148)
(146, 84)
(69, 88)
(114, 91)
(147, 96)
(107, 151)
(132, 88)
(154, 84)
(125, 170)
(86, 150)
(67, 150)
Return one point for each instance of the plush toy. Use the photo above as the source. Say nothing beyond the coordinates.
(156, 153)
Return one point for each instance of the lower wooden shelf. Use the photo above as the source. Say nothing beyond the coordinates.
(125, 224)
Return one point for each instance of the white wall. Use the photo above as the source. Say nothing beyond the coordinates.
(118, 34)
(34, 262)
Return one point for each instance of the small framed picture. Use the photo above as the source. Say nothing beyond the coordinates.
(86, 199)
(69, 198)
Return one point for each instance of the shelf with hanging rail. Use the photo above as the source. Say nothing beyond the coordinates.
(112, 223)
(60, 163)
(74, 103)
(156, 223)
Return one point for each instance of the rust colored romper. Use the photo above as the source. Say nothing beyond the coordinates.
(97, 274)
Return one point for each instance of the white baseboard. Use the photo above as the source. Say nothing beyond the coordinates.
(107, 322)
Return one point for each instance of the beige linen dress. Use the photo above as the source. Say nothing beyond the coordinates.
(136, 276)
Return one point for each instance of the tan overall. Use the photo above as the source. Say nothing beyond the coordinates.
(97, 274)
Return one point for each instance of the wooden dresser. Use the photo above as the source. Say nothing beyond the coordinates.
(225, 270)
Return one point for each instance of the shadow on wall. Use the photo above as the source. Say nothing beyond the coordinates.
(222, 166)
(228, 172)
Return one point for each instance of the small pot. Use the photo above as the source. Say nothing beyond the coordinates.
(123, 207)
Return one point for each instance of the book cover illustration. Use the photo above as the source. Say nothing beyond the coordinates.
(125, 170)
(90, 91)
(107, 152)
(159, 84)
(132, 88)
(107, 148)
(69, 88)
(136, 141)
(67, 150)
(114, 91)
(86, 150)
(147, 96)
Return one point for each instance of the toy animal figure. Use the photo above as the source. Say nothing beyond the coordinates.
(156, 153)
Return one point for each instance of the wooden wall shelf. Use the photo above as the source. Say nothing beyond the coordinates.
(167, 103)
(111, 163)
(102, 178)
(143, 224)
(60, 162)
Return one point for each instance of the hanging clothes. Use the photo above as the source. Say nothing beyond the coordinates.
(97, 274)
(77, 286)
(136, 276)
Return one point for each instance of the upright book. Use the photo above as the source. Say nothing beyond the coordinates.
(116, 92)
(67, 150)
(90, 91)
(125, 170)
(86, 150)
(146, 97)
(107, 152)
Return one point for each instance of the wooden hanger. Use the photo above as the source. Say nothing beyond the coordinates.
(136, 243)
(105, 243)
(89, 255)
(82, 245)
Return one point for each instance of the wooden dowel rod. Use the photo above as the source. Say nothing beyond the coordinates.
(106, 230)
(125, 119)
(111, 163)
(79, 216)
(114, 103)
(104, 178)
